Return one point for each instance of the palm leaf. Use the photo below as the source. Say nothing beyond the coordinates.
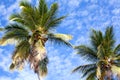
(96, 38)
(85, 69)
(1, 29)
(14, 32)
(53, 23)
(116, 51)
(29, 14)
(86, 52)
(20, 54)
(115, 69)
(42, 7)
(109, 37)
(91, 76)
(60, 39)
(43, 67)
(16, 17)
(53, 10)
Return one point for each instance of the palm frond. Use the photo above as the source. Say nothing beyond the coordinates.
(16, 27)
(15, 31)
(43, 67)
(85, 69)
(115, 69)
(25, 4)
(29, 14)
(89, 71)
(49, 19)
(96, 38)
(12, 66)
(22, 50)
(109, 37)
(42, 7)
(101, 52)
(4, 42)
(1, 29)
(91, 76)
(60, 39)
(87, 52)
(20, 54)
(116, 51)
(16, 17)
(53, 23)
(53, 10)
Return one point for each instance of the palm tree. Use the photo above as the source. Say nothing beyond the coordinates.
(30, 29)
(104, 56)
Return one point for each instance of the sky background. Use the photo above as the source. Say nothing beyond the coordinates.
(83, 16)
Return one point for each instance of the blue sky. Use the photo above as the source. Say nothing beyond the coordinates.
(83, 15)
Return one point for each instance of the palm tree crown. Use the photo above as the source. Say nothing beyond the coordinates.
(31, 28)
(102, 53)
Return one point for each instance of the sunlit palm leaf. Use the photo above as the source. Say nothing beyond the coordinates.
(115, 69)
(60, 39)
(20, 54)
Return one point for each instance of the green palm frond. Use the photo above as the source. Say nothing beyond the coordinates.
(12, 66)
(89, 71)
(49, 20)
(85, 69)
(16, 17)
(13, 33)
(42, 7)
(1, 29)
(43, 67)
(116, 51)
(109, 37)
(101, 52)
(53, 23)
(91, 76)
(25, 5)
(29, 14)
(20, 54)
(16, 27)
(87, 52)
(22, 50)
(96, 38)
(61, 39)
(16, 31)
(53, 10)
